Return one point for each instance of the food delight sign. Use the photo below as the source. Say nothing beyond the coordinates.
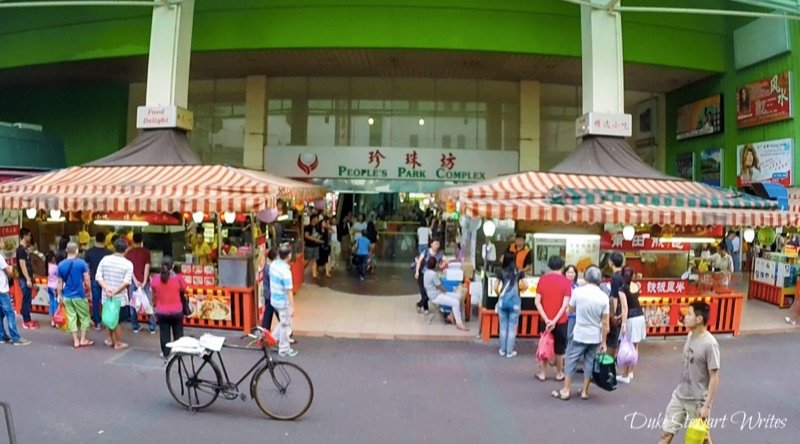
(764, 101)
(425, 164)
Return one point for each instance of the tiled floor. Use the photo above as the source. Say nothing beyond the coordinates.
(323, 311)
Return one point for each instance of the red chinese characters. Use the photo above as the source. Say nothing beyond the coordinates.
(376, 157)
(412, 160)
(448, 161)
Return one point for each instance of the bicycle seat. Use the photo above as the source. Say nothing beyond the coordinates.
(192, 346)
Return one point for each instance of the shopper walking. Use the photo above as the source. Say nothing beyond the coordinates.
(591, 308)
(6, 309)
(52, 284)
(636, 329)
(282, 299)
(168, 291)
(140, 258)
(324, 259)
(311, 240)
(694, 397)
(552, 300)
(93, 256)
(73, 279)
(269, 310)
(509, 305)
(114, 275)
(25, 268)
(362, 249)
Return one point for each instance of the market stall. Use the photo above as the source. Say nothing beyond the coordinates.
(588, 215)
(182, 201)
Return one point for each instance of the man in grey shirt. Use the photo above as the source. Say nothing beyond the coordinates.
(438, 295)
(591, 308)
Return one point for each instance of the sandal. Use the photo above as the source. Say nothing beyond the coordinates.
(560, 378)
(462, 328)
(558, 395)
(541, 377)
(87, 344)
(583, 395)
(121, 346)
(108, 343)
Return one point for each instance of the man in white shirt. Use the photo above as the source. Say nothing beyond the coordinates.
(6, 309)
(423, 236)
(114, 275)
(590, 304)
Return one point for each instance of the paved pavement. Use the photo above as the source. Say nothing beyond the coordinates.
(371, 391)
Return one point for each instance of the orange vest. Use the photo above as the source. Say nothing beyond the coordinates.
(520, 255)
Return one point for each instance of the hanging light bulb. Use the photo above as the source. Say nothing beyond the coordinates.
(55, 214)
(749, 235)
(198, 217)
(371, 121)
(628, 232)
(421, 121)
(31, 213)
(229, 217)
(489, 228)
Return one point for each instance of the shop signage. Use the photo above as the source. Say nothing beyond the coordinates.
(640, 242)
(602, 124)
(9, 231)
(151, 218)
(771, 161)
(700, 118)
(427, 164)
(790, 251)
(695, 230)
(164, 117)
(765, 101)
(651, 287)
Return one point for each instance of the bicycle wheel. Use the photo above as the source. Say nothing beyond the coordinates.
(283, 391)
(193, 381)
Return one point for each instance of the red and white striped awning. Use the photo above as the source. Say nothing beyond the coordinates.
(138, 189)
(537, 185)
(618, 213)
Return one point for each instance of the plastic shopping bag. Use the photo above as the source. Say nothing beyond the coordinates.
(697, 431)
(627, 356)
(545, 351)
(604, 373)
(110, 315)
(60, 317)
(143, 305)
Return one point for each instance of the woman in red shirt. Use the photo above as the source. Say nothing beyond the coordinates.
(168, 288)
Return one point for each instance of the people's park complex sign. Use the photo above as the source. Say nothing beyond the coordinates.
(390, 163)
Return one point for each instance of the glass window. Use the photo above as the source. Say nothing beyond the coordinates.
(218, 107)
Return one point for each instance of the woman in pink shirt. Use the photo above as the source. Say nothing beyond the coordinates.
(168, 289)
(52, 283)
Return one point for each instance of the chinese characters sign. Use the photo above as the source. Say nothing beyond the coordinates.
(650, 287)
(640, 242)
(427, 164)
(771, 161)
(604, 125)
(767, 100)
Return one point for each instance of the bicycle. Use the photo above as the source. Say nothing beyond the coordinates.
(192, 374)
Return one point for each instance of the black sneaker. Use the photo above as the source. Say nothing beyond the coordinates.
(7, 340)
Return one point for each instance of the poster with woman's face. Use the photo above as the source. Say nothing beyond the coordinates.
(770, 161)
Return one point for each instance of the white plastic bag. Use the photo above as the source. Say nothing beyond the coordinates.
(140, 302)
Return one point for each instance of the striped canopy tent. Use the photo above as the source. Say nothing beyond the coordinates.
(154, 188)
(582, 198)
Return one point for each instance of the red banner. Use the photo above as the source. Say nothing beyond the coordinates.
(9, 230)
(657, 287)
(767, 100)
(695, 230)
(640, 242)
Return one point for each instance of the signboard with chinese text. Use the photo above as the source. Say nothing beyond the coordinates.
(657, 287)
(640, 242)
(771, 161)
(765, 101)
(603, 124)
(9, 231)
(700, 118)
(422, 164)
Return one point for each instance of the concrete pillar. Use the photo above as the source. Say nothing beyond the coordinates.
(170, 51)
(601, 38)
(529, 125)
(255, 122)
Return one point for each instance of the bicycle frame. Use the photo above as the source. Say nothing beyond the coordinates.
(265, 360)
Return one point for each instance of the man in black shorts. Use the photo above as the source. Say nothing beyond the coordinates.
(618, 304)
(552, 299)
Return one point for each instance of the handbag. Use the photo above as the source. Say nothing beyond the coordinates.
(604, 373)
(110, 315)
(507, 296)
